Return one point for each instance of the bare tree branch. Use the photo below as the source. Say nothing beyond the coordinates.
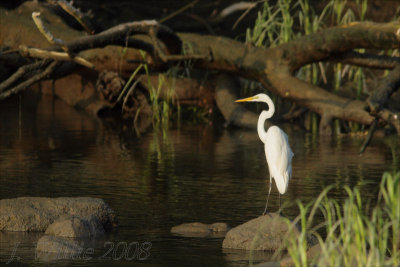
(46, 33)
(321, 45)
(60, 56)
(74, 12)
(19, 74)
(23, 85)
(367, 60)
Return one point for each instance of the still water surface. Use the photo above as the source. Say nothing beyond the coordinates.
(164, 178)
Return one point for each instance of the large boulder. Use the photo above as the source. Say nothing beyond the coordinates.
(37, 213)
(76, 227)
(267, 232)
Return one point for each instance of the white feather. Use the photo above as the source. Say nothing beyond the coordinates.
(279, 157)
(277, 150)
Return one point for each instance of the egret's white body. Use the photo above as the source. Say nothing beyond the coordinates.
(279, 157)
(277, 150)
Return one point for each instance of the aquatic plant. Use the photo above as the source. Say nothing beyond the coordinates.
(353, 235)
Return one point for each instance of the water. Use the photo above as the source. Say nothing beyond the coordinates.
(164, 178)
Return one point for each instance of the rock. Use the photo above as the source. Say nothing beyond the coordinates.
(266, 232)
(16, 246)
(51, 248)
(58, 245)
(37, 213)
(243, 257)
(312, 255)
(197, 229)
(219, 227)
(75, 226)
(268, 264)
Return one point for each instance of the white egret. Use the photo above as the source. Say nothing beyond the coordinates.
(277, 150)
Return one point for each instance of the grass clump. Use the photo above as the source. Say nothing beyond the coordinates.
(350, 234)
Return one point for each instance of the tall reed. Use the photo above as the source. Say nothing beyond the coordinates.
(353, 234)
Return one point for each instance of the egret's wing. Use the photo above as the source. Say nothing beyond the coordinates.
(279, 157)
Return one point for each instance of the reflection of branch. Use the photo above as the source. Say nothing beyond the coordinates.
(42, 28)
(61, 56)
(22, 86)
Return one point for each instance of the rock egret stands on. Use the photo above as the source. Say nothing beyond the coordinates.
(276, 145)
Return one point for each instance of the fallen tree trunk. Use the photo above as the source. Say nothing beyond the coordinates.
(118, 49)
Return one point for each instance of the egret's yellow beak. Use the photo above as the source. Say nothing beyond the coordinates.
(247, 99)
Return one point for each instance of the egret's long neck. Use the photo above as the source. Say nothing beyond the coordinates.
(265, 114)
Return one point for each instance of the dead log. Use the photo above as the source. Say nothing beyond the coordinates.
(117, 50)
(226, 92)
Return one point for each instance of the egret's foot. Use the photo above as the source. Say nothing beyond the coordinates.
(266, 212)
(281, 214)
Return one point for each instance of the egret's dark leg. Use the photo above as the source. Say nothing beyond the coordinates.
(280, 212)
(269, 192)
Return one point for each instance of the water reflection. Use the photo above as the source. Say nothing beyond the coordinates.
(164, 178)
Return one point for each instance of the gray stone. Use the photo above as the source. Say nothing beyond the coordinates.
(75, 226)
(197, 229)
(313, 255)
(58, 245)
(37, 213)
(219, 227)
(266, 232)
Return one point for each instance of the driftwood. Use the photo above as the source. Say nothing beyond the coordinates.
(117, 49)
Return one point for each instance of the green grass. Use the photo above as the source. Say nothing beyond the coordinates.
(353, 234)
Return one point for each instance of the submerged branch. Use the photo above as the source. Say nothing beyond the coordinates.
(23, 85)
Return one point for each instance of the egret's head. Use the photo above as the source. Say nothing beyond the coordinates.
(256, 98)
